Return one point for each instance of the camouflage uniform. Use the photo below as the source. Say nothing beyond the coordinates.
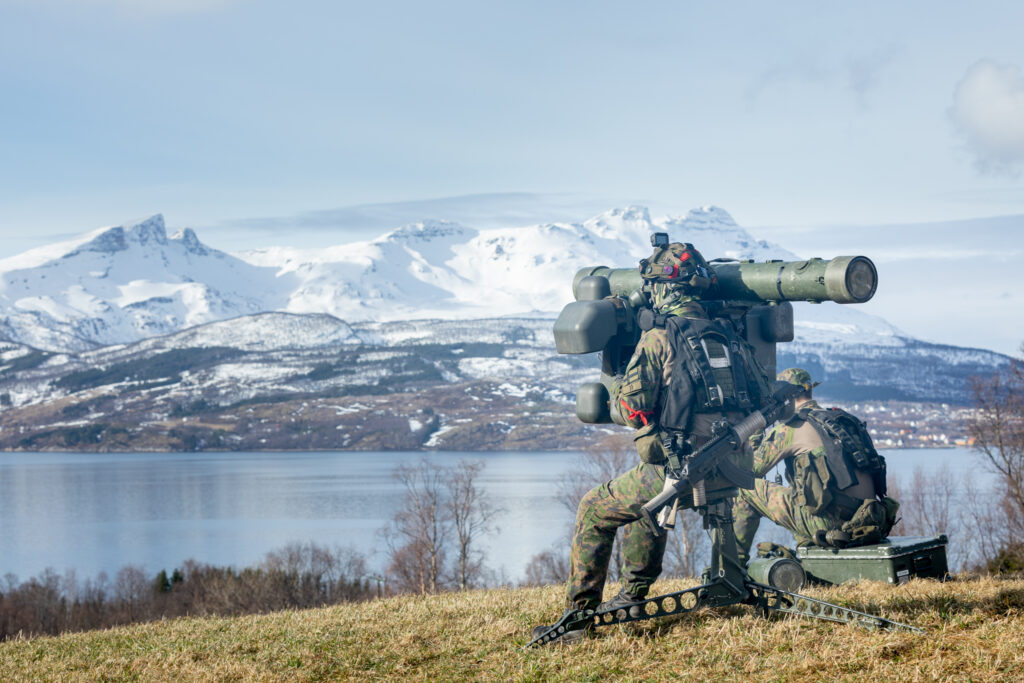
(778, 503)
(774, 501)
(602, 511)
(638, 397)
(617, 503)
(676, 275)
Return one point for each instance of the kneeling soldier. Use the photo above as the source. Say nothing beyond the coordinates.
(837, 497)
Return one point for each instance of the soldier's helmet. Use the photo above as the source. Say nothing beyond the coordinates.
(677, 273)
(797, 376)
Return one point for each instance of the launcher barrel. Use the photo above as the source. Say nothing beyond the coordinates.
(844, 280)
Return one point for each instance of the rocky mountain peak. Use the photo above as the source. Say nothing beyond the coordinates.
(118, 238)
(709, 216)
(427, 230)
(631, 224)
(190, 241)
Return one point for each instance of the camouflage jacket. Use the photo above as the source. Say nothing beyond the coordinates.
(786, 440)
(793, 438)
(639, 393)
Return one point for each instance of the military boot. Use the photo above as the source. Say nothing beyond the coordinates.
(623, 599)
(833, 538)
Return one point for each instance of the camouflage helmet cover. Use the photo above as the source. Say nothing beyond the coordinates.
(677, 273)
(677, 263)
(797, 376)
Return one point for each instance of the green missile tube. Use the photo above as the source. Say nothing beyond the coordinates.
(844, 280)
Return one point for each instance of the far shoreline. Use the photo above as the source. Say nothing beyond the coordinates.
(399, 450)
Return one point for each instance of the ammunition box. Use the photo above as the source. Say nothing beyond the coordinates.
(896, 560)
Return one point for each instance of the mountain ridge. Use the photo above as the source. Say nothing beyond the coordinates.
(158, 342)
(126, 283)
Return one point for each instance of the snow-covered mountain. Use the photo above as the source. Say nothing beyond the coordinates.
(126, 283)
(446, 271)
(132, 282)
(432, 336)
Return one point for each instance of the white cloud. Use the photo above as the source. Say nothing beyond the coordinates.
(858, 73)
(988, 112)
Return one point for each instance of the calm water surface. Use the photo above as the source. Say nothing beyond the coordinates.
(99, 512)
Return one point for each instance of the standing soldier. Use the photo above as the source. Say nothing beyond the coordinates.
(688, 372)
(837, 497)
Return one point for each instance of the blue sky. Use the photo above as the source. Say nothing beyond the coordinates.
(247, 118)
(209, 111)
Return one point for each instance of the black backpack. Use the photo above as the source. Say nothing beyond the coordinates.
(723, 372)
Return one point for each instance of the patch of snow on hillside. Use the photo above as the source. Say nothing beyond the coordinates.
(250, 372)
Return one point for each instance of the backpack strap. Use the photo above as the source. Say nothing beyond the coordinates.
(697, 364)
(740, 372)
(647, 319)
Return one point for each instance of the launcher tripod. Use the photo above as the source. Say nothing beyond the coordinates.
(724, 583)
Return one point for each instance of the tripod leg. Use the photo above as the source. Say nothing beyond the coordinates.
(727, 576)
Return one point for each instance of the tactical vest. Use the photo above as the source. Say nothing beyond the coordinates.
(723, 374)
(848, 446)
(820, 477)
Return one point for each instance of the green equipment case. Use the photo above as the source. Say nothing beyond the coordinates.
(895, 560)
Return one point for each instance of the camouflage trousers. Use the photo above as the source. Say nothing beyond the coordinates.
(602, 511)
(777, 504)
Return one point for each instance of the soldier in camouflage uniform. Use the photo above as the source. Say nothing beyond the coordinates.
(676, 275)
(794, 441)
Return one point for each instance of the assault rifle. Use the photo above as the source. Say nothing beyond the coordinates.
(713, 457)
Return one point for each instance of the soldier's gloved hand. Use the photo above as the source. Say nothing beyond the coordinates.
(788, 411)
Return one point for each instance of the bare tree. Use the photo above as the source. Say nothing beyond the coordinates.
(444, 514)
(938, 502)
(548, 567)
(421, 528)
(601, 462)
(132, 588)
(687, 548)
(998, 432)
(927, 502)
(983, 531)
(472, 516)
(981, 524)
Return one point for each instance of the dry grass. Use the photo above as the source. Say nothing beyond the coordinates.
(975, 631)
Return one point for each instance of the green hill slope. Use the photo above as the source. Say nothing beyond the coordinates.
(975, 631)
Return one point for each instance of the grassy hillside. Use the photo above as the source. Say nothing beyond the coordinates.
(975, 631)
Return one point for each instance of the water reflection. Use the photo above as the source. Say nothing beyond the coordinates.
(99, 512)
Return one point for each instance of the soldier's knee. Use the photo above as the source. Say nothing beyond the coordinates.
(742, 502)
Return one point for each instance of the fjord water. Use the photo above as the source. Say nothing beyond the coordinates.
(99, 512)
